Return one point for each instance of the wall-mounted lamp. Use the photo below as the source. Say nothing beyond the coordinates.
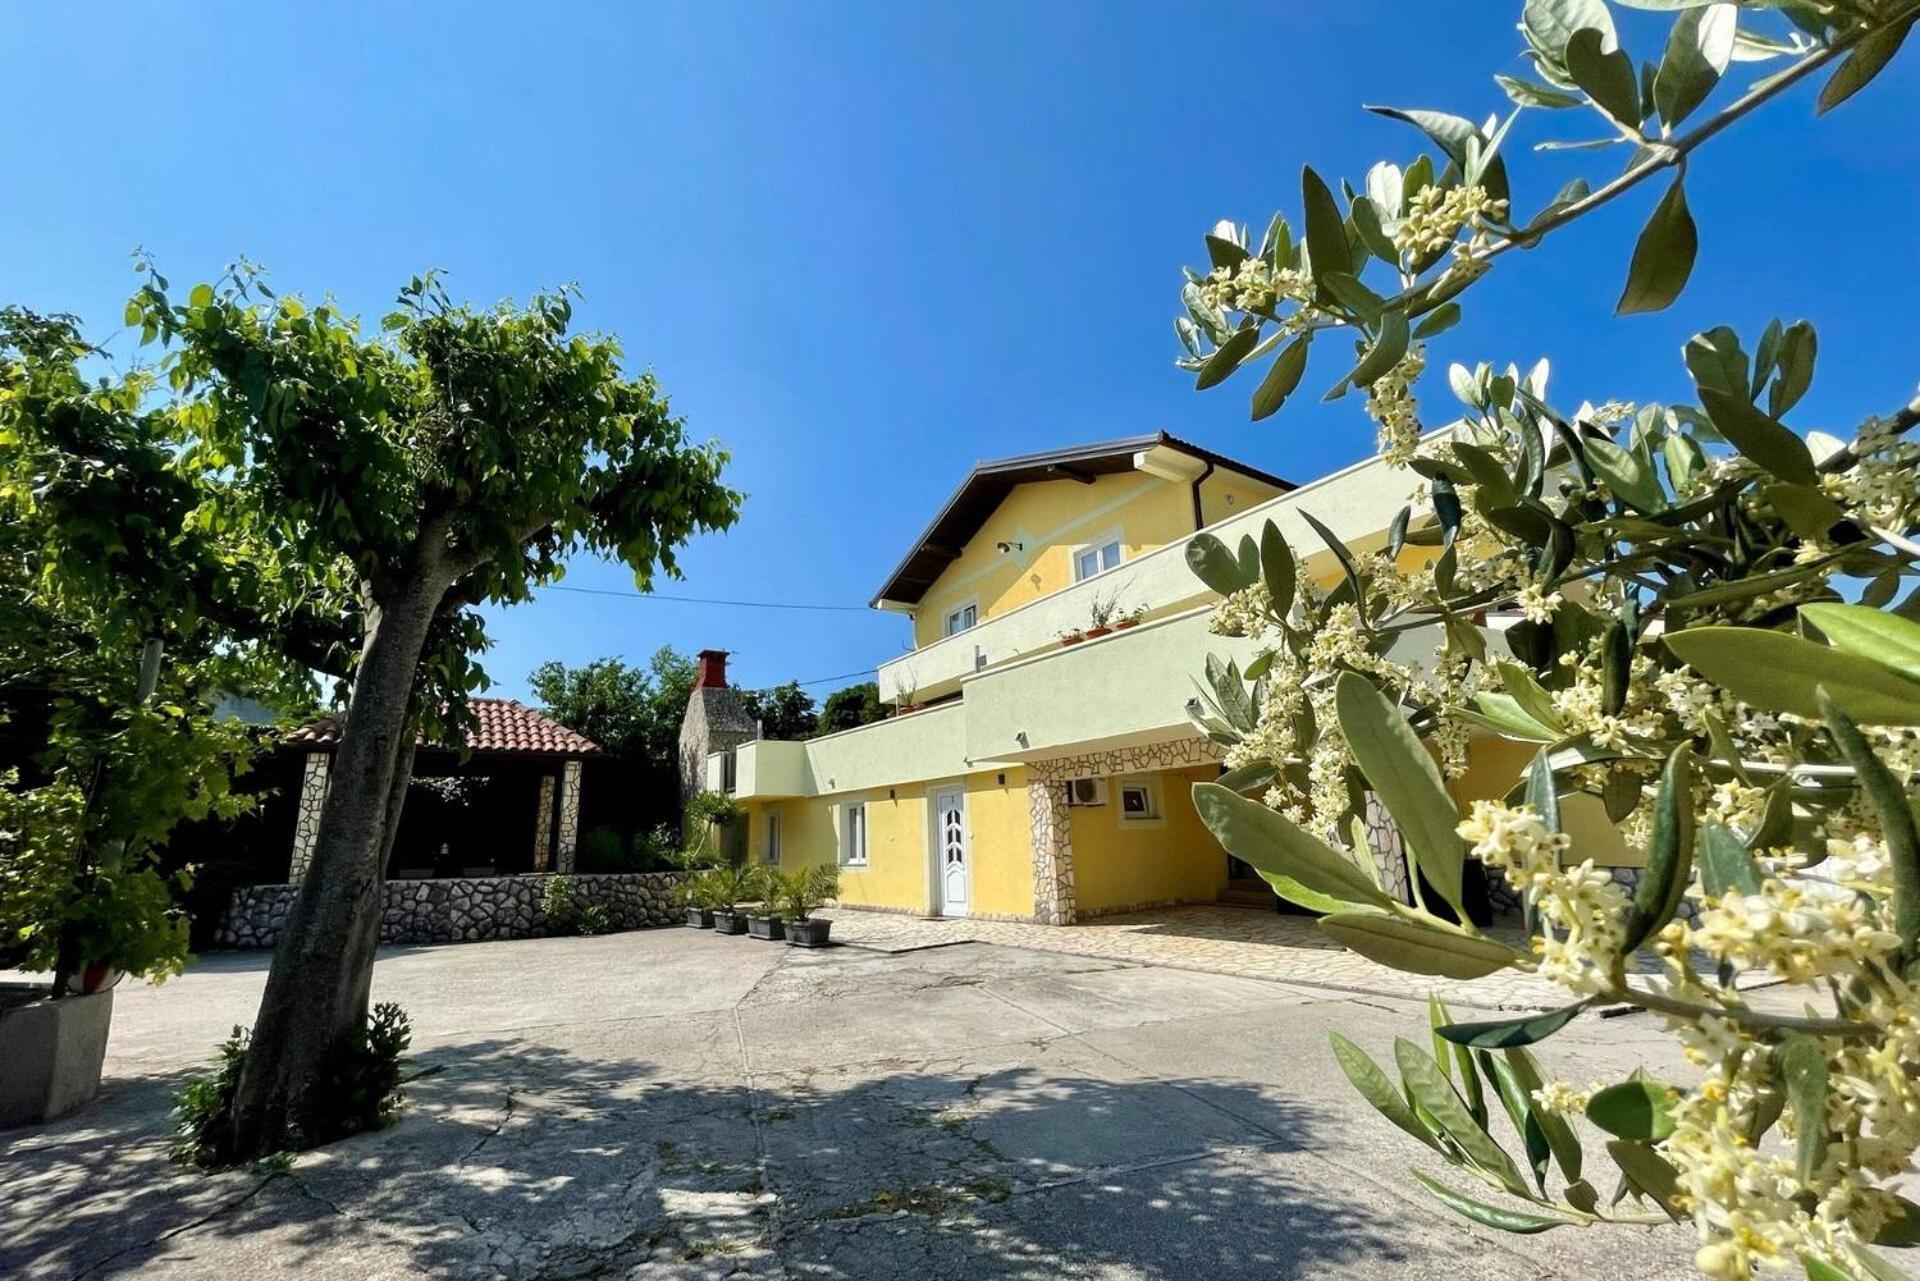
(1021, 737)
(1007, 549)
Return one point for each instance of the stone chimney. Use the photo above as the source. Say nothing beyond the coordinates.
(714, 722)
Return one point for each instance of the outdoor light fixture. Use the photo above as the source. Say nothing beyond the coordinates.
(1009, 548)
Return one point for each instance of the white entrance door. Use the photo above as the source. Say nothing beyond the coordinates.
(950, 816)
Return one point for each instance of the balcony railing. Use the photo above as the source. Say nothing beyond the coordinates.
(1357, 504)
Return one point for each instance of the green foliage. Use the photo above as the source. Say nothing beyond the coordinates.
(358, 1091)
(566, 909)
(850, 708)
(633, 712)
(110, 663)
(797, 894)
(729, 884)
(784, 713)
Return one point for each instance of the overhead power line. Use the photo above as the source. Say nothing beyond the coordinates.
(822, 680)
(706, 600)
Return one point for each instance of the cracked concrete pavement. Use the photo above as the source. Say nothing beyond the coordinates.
(674, 1104)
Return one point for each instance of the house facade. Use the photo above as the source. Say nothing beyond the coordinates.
(1046, 769)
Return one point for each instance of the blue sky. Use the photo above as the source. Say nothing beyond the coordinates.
(866, 245)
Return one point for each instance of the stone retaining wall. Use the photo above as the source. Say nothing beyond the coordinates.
(463, 910)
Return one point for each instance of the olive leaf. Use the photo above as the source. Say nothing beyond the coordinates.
(1777, 672)
(1403, 774)
(1278, 848)
(1669, 855)
(1282, 377)
(1662, 257)
(1698, 50)
(1415, 948)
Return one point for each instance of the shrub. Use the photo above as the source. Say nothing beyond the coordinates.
(603, 850)
(595, 918)
(358, 1091)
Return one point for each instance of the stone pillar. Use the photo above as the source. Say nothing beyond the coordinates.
(1389, 850)
(543, 826)
(569, 814)
(306, 822)
(1051, 824)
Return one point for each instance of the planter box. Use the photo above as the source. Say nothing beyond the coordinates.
(811, 932)
(766, 927)
(52, 1062)
(700, 918)
(730, 922)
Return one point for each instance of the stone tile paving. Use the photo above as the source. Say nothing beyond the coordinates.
(1215, 939)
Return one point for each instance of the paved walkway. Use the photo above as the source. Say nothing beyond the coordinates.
(670, 1105)
(1241, 941)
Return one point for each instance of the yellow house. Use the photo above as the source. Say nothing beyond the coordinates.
(1045, 773)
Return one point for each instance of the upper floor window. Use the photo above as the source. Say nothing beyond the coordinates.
(1096, 559)
(959, 620)
(729, 771)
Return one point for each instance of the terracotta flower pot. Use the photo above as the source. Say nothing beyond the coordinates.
(1125, 623)
(1073, 638)
(1095, 633)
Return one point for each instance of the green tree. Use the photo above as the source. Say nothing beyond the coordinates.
(784, 712)
(1706, 636)
(850, 708)
(110, 664)
(606, 700)
(455, 460)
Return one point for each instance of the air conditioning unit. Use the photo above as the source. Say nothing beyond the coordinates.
(1086, 791)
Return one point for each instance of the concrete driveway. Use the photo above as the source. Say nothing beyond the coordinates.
(673, 1104)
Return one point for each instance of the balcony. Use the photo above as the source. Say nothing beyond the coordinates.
(1357, 504)
(903, 749)
(1121, 690)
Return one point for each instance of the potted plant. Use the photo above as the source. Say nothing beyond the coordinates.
(1132, 618)
(693, 893)
(1100, 615)
(83, 895)
(766, 923)
(801, 893)
(727, 886)
(1072, 636)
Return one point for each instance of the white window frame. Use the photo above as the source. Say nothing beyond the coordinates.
(771, 840)
(853, 823)
(1097, 548)
(969, 605)
(1156, 814)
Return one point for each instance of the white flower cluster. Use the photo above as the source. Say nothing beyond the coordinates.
(1254, 285)
(1391, 405)
(1435, 216)
(1582, 912)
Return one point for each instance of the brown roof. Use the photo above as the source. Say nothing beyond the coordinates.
(989, 483)
(504, 725)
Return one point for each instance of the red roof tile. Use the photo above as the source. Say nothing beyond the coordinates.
(504, 725)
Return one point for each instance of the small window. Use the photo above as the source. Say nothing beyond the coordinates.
(729, 772)
(1139, 802)
(773, 839)
(961, 619)
(1097, 559)
(1086, 791)
(853, 848)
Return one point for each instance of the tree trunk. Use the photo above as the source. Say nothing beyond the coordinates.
(316, 996)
